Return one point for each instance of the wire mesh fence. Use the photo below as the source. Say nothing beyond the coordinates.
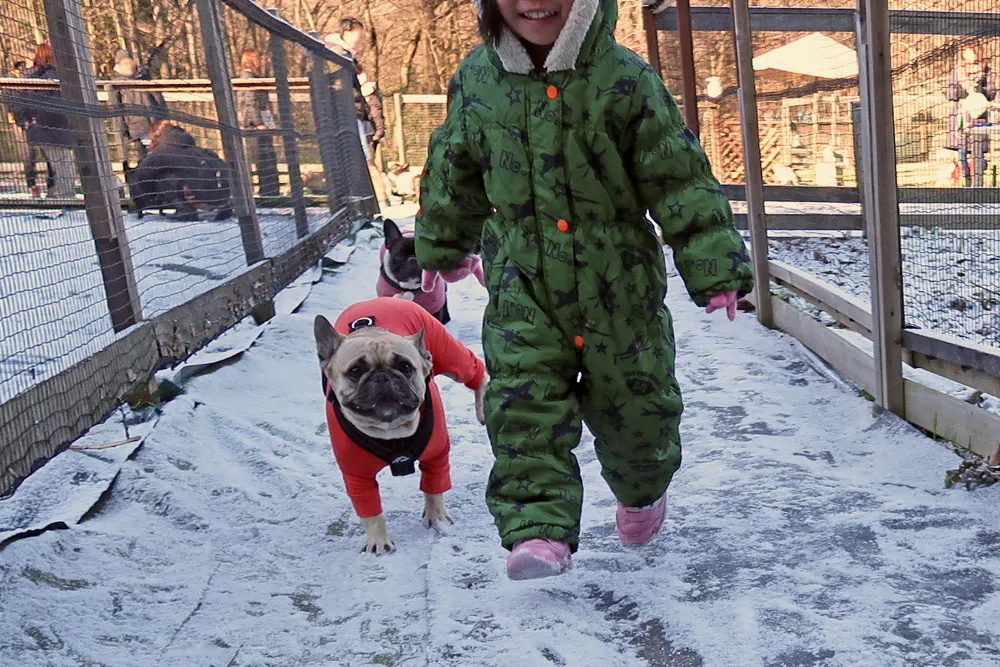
(142, 215)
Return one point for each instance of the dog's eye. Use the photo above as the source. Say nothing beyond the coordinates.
(355, 372)
(404, 367)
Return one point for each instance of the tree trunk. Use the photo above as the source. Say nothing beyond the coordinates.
(404, 68)
(373, 39)
(428, 8)
(192, 45)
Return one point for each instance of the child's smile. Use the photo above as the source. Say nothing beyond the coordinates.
(537, 22)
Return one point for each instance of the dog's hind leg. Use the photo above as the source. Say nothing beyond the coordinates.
(377, 539)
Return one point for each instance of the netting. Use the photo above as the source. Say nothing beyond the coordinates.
(129, 188)
(947, 120)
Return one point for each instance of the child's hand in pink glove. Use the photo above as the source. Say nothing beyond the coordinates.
(472, 265)
(725, 300)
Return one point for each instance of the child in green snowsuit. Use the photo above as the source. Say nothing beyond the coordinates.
(556, 143)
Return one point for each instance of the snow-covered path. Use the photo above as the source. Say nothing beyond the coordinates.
(803, 529)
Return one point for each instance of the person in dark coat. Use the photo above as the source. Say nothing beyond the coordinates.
(971, 88)
(47, 129)
(19, 117)
(254, 113)
(137, 128)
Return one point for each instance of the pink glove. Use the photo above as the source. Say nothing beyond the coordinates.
(725, 300)
(472, 265)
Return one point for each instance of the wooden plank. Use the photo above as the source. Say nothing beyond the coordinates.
(882, 216)
(41, 421)
(838, 302)
(652, 40)
(826, 19)
(397, 107)
(804, 221)
(984, 382)
(408, 98)
(689, 81)
(71, 48)
(184, 329)
(323, 116)
(966, 354)
(256, 14)
(754, 188)
(797, 193)
(952, 418)
(287, 121)
(217, 61)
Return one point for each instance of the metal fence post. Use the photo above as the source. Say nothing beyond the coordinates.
(397, 108)
(287, 121)
(756, 219)
(214, 38)
(68, 37)
(322, 105)
(882, 210)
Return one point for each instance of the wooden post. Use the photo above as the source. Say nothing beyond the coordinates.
(397, 107)
(119, 124)
(287, 123)
(68, 37)
(652, 40)
(835, 121)
(690, 83)
(213, 37)
(751, 161)
(786, 134)
(321, 96)
(882, 212)
(815, 115)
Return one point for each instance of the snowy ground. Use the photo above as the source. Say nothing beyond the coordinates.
(951, 279)
(803, 530)
(53, 308)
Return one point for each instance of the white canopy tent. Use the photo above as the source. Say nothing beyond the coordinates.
(813, 55)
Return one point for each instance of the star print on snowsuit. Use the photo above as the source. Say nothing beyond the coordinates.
(576, 276)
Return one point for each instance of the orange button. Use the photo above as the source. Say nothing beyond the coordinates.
(578, 341)
(552, 92)
(562, 225)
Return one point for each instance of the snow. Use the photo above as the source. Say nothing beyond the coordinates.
(805, 528)
(53, 308)
(950, 277)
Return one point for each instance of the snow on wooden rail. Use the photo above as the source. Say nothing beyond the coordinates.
(945, 415)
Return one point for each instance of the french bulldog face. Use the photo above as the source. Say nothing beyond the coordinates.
(400, 261)
(378, 377)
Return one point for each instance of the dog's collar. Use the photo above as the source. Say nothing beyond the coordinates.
(392, 282)
(400, 454)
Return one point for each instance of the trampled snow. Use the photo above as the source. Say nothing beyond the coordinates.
(803, 529)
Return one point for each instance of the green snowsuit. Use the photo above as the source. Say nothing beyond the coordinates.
(549, 174)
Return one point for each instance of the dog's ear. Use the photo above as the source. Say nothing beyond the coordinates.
(418, 342)
(328, 339)
(391, 231)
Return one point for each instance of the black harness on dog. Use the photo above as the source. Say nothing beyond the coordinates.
(393, 284)
(399, 453)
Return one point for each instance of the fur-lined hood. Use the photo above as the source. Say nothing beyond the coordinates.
(589, 28)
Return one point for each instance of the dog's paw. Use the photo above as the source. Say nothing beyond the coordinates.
(435, 512)
(377, 539)
(379, 546)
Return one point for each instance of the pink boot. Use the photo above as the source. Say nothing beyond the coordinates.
(638, 525)
(537, 558)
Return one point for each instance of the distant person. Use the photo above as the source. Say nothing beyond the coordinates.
(19, 118)
(350, 41)
(254, 112)
(971, 88)
(137, 127)
(47, 130)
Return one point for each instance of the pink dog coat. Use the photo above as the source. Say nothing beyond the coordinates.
(432, 301)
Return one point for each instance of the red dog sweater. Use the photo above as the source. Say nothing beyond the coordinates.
(449, 357)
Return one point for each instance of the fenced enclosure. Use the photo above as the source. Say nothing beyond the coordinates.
(854, 140)
(141, 217)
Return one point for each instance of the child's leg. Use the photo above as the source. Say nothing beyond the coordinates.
(632, 405)
(534, 422)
